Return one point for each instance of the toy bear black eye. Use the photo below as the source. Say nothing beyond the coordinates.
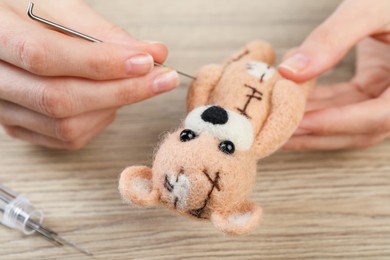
(187, 135)
(227, 147)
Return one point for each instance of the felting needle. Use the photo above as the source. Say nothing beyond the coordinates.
(84, 36)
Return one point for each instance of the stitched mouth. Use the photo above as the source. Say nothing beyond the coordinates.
(167, 184)
(199, 212)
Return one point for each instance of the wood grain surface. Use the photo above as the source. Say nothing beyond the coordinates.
(318, 205)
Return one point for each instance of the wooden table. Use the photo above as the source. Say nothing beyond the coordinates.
(318, 205)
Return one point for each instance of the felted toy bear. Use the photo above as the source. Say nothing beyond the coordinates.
(239, 112)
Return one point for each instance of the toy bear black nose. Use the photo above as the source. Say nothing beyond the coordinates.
(215, 115)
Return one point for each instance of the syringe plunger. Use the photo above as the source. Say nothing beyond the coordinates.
(21, 215)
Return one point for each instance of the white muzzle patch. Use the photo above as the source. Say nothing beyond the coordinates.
(181, 188)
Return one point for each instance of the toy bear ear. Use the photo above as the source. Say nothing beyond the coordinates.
(241, 221)
(135, 186)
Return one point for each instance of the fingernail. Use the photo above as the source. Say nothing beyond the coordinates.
(296, 63)
(165, 82)
(153, 42)
(139, 65)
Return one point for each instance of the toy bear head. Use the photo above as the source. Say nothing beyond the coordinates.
(203, 170)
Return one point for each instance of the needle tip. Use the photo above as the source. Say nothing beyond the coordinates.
(74, 245)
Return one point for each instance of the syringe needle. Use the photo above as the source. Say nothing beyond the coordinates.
(17, 212)
(49, 236)
(63, 240)
(73, 244)
(35, 226)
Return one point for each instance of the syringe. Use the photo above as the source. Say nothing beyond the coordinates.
(18, 213)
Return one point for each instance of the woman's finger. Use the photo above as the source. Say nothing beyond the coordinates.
(321, 92)
(334, 142)
(65, 129)
(39, 139)
(93, 24)
(368, 117)
(89, 23)
(328, 43)
(50, 53)
(65, 97)
(342, 96)
(372, 67)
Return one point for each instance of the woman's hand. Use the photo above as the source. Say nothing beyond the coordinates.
(354, 114)
(59, 91)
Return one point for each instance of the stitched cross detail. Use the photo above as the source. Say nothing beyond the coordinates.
(254, 95)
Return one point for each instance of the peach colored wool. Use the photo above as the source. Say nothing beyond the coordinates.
(239, 112)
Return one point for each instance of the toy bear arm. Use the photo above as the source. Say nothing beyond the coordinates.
(287, 108)
(201, 88)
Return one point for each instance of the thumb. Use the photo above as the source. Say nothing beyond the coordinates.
(328, 43)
